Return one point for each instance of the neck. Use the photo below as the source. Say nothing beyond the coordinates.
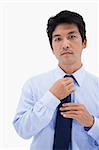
(69, 69)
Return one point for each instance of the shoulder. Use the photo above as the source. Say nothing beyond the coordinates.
(40, 78)
(92, 78)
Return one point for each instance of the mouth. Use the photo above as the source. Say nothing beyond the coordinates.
(66, 53)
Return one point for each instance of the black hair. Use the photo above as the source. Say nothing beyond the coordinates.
(66, 17)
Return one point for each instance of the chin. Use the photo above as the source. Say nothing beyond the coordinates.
(68, 62)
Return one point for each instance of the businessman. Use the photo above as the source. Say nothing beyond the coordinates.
(60, 108)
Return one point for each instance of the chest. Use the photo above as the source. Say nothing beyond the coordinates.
(89, 98)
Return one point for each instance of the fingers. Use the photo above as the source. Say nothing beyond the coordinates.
(72, 116)
(73, 106)
(67, 81)
(68, 113)
(68, 108)
(69, 84)
(62, 88)
(71, 110)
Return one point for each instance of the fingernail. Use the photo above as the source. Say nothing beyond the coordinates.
(64, 104)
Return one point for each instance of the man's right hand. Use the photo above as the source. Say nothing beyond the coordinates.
(62, 88)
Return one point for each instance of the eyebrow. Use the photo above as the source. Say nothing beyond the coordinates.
(72, 32)
(56, 35)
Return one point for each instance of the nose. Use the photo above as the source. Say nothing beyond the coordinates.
(66, 44)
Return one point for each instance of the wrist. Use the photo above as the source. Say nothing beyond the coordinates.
(87, 128)
(92, 122)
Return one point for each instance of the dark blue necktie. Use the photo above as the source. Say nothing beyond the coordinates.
(62, 136)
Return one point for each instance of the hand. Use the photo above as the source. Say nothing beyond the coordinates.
(78, 112)
(62, 88)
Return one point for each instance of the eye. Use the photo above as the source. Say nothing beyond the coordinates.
(72, 37)
(57, 39)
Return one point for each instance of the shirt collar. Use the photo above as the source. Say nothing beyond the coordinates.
(78, 75)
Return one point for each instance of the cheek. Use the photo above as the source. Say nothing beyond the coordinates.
(56, 52)
(56, 49)
(78, 46)
(55, 46)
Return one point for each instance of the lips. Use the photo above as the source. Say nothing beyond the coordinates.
(66, 53)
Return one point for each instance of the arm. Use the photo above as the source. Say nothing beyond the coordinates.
(33, 115)
(94, 131)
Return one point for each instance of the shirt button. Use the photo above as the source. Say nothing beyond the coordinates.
(96, 143)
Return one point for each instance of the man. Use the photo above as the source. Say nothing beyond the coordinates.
(38, 110)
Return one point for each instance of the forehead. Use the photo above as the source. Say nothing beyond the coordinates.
(65, 28)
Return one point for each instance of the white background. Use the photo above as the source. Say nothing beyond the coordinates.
(25, 52)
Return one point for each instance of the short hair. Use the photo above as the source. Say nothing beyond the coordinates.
(66, 17)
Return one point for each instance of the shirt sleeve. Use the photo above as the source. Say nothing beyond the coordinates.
(94, 131)
(34, 114)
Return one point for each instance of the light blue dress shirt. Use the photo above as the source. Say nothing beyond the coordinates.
(36, 112)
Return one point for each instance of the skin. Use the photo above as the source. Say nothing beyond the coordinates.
(67, 47)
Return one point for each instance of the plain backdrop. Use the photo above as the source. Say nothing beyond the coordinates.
(25, 52)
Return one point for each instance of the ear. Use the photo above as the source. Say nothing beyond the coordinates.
(85, 43)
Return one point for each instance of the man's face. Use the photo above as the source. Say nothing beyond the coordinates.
(67, 44)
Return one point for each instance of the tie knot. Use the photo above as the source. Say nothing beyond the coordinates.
(69, 75)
